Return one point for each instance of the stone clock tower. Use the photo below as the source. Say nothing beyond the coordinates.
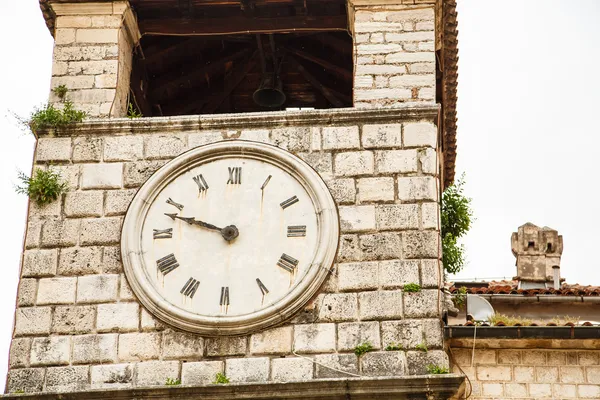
(253, 234)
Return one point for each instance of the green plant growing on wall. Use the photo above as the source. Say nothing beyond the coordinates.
(363, 348)
(412, 288)
(437, 369)
(60, 91)
(460, 297)
(43, 187)
(221, 379)
(173, 382)
(456, 218)
(52, 117)
(422, 347)
(393, 347)
(132, 112)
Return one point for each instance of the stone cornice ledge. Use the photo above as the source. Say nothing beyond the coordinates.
(275, 119)
(426, 387)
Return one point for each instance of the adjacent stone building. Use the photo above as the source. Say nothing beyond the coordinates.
(385, 157)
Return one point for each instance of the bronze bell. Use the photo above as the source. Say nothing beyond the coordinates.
(270, 92)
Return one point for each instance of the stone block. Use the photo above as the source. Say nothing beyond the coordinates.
(375, 189)
(561, 391)
(39, 263)
(409, 57)
(102, 176)
(419, 360)
(139, 346)
(493, 373)
(52, 350)
(357, 218)
(177, 345)
(105, 81)
(534, 357)
(20, 349)
(154, 373)
(493, 389)
(483, 356)
(101, 231)
(149, 323)
(97, 35)
(123, 148)
(56, 291)
(430, 215)
(97, 288)
(588, 391)
(397, 273)
(421, 304)
(72, 82)
(84, 204)
(111, 260)
(32, 321)
(53, 149)
(430, 274)
(537, 390)
(329, 366)
(343, 190)
(27, 292)
(164, 146)
(412, 80)
(358, 276)
(125, 292)
(69, 174)
(588, 357)
(247, 369)
(428, 161)
(117, 201)
(291, 369)
(417, 188)
(136, 173)
(406, 333)
(384, 363)
(118, 317)
(205, 137)
(80, 261)
(91, 349)
(338, 307)
(397, 216)
(314, 338)
(26, 380)
(557, 358)
(321, 162)
(394, 94)
(354, 163)
(200, 373)
(524, 374)
(380, 305)
(592, 374)
(33, 234)
(67, 379)
(272, 341)
(293, 139)
(421, 244)
(73, 319)
(434, 333)
(382, 135)
(352, 334)
(257, 135)
(348, 248)
(546, 374)
(419, 134)
(380, 246)
(111, 376)
(47, 210)
(226, 346)
(60, 233)
(509, 356)
(340, 137)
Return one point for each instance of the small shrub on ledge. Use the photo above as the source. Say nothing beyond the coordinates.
(422, 347)
(363, 348)
(173, 382)
(437, 370)
(221, 379)
(393, 347)
(43, 187)
(412, 288)
(51, 117)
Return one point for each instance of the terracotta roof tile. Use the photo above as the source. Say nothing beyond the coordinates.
(510, 287)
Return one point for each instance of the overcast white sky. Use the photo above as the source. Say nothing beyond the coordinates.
(529, 96)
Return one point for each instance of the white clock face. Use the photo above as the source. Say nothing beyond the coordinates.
(193, 256)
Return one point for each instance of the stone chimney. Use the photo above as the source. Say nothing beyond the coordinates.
(538, 252)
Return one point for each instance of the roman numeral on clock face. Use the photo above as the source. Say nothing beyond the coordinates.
(167, 264)
(235, 175)
(289, 202)
(190, 287)
(162, 233)
(262, 287)
(296, 231)
(224, 301)
(202, 185)
(174, 203)
(288, 263)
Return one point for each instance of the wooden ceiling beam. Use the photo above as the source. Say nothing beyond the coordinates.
(344, 73)
(241, 24)
(335, 43)
(315, 82)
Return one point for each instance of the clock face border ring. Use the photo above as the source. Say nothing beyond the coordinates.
(282, 310)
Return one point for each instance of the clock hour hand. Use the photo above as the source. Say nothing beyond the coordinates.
(229, 232)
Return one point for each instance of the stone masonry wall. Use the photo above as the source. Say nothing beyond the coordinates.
(394, 54)
(554, 372)
(92, 55)
(78, 326)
